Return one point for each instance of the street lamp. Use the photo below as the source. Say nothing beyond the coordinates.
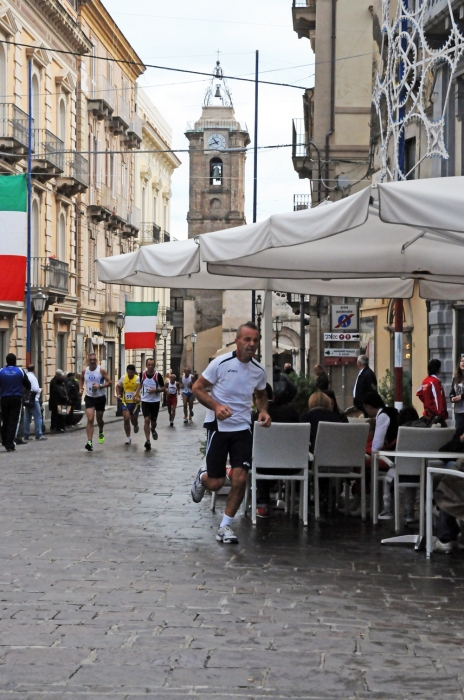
(164, 335)
(39, 301)
(193, 340)
(259, 315)
(277, 325)
(120, 319)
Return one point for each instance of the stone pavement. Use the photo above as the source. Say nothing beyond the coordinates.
(112, 586)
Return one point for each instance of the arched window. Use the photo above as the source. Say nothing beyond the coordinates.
(215, 171)
(62, 120)
(61, 248)
(35, 229)
(3, 76)
(36, 101)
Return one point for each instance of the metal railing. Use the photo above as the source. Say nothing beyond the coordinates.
(50, 274)
(301, 201)
(149, 232)
(105, 91)
(166, 237)
(135, 126)
(298, 138)
(49, 148)
(77, 168)
(121, 109)
(228, 125)
(14, 124)
(133, 217)
(116, 204)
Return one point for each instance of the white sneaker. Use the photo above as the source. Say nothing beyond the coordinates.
(443, 547)
(128, 441)
(386, 514)
(226, 535)
(198, 490)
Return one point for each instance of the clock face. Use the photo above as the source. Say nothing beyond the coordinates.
(216, 141)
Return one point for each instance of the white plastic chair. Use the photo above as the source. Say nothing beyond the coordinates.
(407, 469)
(340, 449)
(283, 447)
(431, 471)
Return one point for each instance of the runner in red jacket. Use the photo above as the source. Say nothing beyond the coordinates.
(432, 393)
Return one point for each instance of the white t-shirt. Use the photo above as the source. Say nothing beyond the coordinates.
(233, 385)
(187, 383)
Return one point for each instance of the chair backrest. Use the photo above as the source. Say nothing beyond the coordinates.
(356, 419)
(415, 439)
(341, 444)
(282, 446)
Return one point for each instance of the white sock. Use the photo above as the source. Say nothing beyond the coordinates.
(226, 520)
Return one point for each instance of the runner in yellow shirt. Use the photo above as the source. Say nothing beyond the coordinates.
(125, 390)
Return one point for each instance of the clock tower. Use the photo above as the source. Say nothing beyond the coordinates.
(217, 143)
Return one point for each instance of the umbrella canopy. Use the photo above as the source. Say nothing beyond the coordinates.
(150, 267)
(406, 231)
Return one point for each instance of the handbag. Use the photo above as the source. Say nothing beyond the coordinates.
(30, 401)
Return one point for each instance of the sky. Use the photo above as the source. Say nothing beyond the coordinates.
(188, 35)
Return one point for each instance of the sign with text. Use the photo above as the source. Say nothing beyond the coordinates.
(344, 317)
(341, 352)
(344, 337)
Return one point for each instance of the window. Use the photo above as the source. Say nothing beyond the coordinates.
(123, 180)
(61, 247)
(177, 336)
(61, 351)
(62, 120)
(177, 303)
(92, 256)
(36, 101)
(93, 70)
(215, 171)
(155, 202)
(3, 346)
(110, 72)
(3, 74)
(144, 204)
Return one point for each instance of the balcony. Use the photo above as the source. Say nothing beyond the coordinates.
(50, 275)
(103, 100)
(149, 233)
(13, 132)
(49, 156)
(304, 18)
(133, 138)
(76, 176)
(301, 201)
(107, 206)
(300, 157)
(133, 224)
(120, 120)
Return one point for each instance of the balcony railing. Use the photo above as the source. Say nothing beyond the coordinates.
(50, 274)
(133, 137)
(304, 3)
(149, 233)
(120, 119)
(14, 124)
(301, 201)
(133, 218)
(103, 97)
(78, 168)
(227, 125)
(166, 237)
(49, 148)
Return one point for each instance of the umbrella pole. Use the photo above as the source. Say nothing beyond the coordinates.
(399, 354)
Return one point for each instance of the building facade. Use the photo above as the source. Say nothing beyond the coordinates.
(153, 175)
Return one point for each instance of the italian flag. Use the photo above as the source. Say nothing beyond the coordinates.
(140, 329)
(13, 237)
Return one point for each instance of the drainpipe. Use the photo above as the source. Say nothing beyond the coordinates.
(332, 94)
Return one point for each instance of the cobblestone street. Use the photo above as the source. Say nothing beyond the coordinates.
(112, 585)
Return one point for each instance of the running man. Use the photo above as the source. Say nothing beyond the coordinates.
(126, 389)
(172, 389)
(149, 390)
(187, 394)
(232, 378)
(95, 380)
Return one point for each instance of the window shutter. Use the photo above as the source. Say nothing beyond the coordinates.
(99, 164)
(115, 176)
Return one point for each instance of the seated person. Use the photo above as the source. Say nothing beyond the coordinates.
(335, 408)
(280, 412)
(320, 410)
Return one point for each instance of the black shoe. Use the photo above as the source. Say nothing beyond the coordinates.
(89, 446)
(136, 428)
(147, 445)
(19, 442)
(155, 434)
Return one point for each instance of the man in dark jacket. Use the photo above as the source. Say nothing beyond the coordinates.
(322, 380)
(366, 381)
(13, 382)
(57, 398)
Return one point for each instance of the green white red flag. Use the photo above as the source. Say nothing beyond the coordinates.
(140, 326)
(13, 237)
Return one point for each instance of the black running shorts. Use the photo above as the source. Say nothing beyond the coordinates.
(96, 402)
(150, 409)
(237, 445)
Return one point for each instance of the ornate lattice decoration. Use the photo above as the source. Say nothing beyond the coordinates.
(404, 84)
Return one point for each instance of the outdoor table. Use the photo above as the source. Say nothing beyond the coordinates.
(416, 539)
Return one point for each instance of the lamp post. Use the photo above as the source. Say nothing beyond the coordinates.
(39, 301)
(277, 325)
(193, 340)
(164, 335)
(259, 315)
(120, 319)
